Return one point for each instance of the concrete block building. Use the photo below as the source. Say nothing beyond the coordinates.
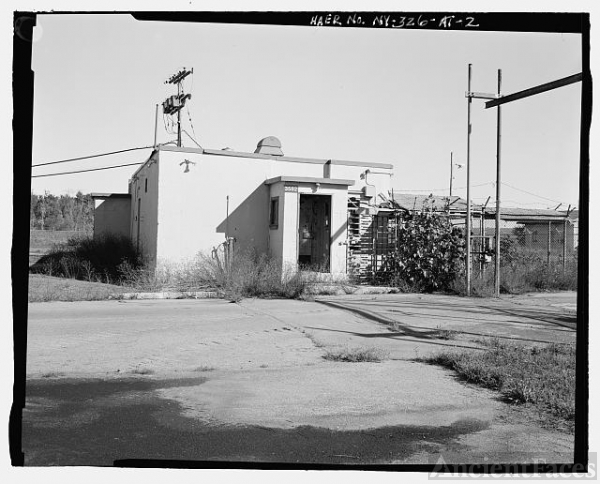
(185, 201)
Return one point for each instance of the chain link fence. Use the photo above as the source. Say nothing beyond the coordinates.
(534, 254)
(537, 252)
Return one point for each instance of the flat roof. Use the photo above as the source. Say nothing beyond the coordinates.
(110, 195)
(262, 156)
(528, 214)
(309, 179)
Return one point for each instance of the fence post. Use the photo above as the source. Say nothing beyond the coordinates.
(565, 247)
(549, 241)
(482, 246)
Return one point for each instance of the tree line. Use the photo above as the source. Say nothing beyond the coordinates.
(64, 212)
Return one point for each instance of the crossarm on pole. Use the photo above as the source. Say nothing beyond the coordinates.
(534, 90)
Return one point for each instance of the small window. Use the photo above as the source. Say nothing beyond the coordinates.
(274, 213)
(146, 186)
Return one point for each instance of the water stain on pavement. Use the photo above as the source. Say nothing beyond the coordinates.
(95, 422)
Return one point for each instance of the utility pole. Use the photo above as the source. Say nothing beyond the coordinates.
(496, 100)
(498, 187)
(471, 95)
(468, 221)
(174, 104)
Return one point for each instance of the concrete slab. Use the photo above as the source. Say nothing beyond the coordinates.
(337, 396)
(545, 319)
(261, 363)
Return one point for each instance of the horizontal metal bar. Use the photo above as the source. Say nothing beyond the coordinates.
(481, 95)
(534, 90)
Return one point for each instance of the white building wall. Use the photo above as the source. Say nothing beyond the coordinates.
(287, 236)
(143, 189)
(380, 177)
(111, 216)
(290, 231)
(191, 205)
(194, 204)
(276, 233)
(293, 168)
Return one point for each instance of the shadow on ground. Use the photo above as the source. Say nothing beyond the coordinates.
(70, 422)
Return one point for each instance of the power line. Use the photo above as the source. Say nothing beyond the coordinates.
(400, 190)
(89, 169)
(190, 118)
(529, 193)
(92, 156)
(190, 136)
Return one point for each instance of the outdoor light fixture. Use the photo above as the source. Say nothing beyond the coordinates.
(187, 165)
(452, 165)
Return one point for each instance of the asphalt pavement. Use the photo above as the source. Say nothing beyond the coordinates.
(209, 380)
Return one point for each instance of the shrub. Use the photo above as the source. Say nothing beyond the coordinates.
(522, 270)
(236, 276)
(248, 274)
(103, 258)
(428, 255)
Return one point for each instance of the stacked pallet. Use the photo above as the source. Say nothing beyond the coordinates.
(360, 241)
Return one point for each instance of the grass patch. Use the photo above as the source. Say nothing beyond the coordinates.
(47, 288)
(52, 374)
(355, 355)
(142, 371)
(203, 368)
(445, 334)
(315, 341)
(45, 240)
(543, 376)
(521, 272)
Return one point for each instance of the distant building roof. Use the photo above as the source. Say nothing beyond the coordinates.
(110, 195)
(457, 205)
(532, 214)
(438, 203)
(574, 214)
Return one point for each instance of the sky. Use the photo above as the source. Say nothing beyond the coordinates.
(379, 95)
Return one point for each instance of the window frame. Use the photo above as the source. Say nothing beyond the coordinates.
(274, 213)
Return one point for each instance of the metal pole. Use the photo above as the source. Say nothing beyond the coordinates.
(498, 187)
(482, 243)
(565, 247)
(227, 220)
(155, 124)
(227, 251)
(179, 93)
(451, 173)
(549, 240)
(468, 221)
(179, 128)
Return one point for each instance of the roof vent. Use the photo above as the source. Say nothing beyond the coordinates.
(269, 146)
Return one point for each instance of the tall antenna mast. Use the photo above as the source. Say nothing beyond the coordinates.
(174, 104)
